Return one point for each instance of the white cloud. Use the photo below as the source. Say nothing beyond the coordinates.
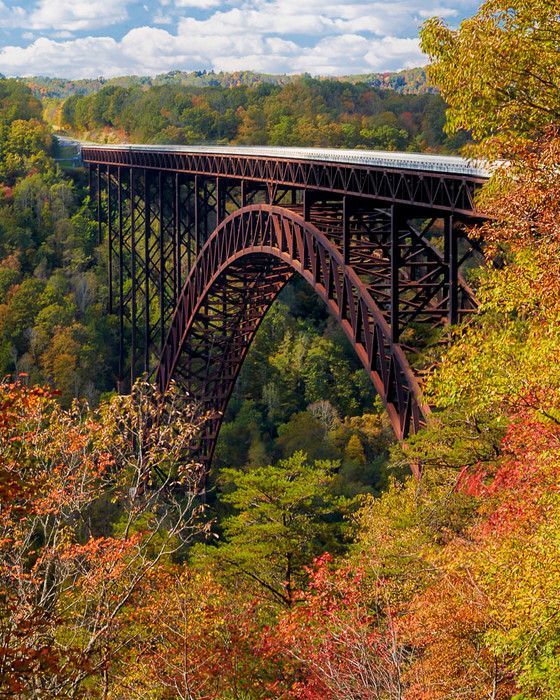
(200, 4)
(265, 21)
(391, 53)
(317, 36)
(88, 57)
(75, 15)
(446, 12)
(64, 15)
(315, 17)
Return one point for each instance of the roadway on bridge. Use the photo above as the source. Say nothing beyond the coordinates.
(381, 159)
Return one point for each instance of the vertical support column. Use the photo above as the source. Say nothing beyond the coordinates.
(346, 229)
(99, 229)
(134, 281)
(395, 266)
(161, 262)
(203, 214)
(121, 283)
(196, 206)
(243, 193)
(224, 319)
(109, 242)
(306, 205)
(185, 219)
(177, 236)
(451, 260)
(203, 237)
(147, 266)
(220, 200)
(270, 193)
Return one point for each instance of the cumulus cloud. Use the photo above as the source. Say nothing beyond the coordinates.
(63, 15)
(80, 58)
(316, 36)
(75, 15)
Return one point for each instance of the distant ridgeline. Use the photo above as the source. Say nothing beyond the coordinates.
(410, 81)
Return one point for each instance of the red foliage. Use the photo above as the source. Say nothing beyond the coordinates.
(513, 491)
(339, 640)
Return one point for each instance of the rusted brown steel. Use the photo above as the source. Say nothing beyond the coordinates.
(434, 191)
(238, 239)
(406, 275)
(267, 244)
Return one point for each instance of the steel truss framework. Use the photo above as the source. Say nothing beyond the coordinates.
(442, 191)
(195, 261)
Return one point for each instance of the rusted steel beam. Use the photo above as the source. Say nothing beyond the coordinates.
(99, 211)
(110, 255)
(422, 189)
(271, 243)
(451, 260)
(200, 258)
(395, 259)
(147, 262)
(121, 369)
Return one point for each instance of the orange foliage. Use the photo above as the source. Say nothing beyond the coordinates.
(68, 577)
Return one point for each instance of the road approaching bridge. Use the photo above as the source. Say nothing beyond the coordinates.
(201, 240)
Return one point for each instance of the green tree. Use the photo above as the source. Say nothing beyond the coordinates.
(236, 437)
(17, 102)
(499, 72)
(303, 431)
(24, 304)
(354, 451)
(284, 515)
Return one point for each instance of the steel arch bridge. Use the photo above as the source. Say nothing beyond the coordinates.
(201, 240)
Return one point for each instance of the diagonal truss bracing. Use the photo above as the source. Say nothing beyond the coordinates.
(196, 257)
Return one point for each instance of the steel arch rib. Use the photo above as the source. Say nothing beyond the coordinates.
(262, 232)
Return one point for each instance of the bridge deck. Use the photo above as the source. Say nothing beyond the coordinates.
(453, 165)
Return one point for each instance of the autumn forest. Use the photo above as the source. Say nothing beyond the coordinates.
(326, 560)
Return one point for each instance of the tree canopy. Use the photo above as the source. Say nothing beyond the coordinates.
(499, 72)
(332, 575)
(304, 112)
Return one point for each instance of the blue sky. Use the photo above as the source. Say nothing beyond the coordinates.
(90, 38)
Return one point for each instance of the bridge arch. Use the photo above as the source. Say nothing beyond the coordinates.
(239, 272)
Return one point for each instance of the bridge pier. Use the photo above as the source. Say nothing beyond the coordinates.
(452, 263)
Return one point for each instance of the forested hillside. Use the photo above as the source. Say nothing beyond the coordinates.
(53, 328)
(301, 389)
(412, 80)
(305, 112)
(322, 576)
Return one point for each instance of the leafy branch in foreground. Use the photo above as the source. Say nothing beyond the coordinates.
(499, 72)
(92, 503)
